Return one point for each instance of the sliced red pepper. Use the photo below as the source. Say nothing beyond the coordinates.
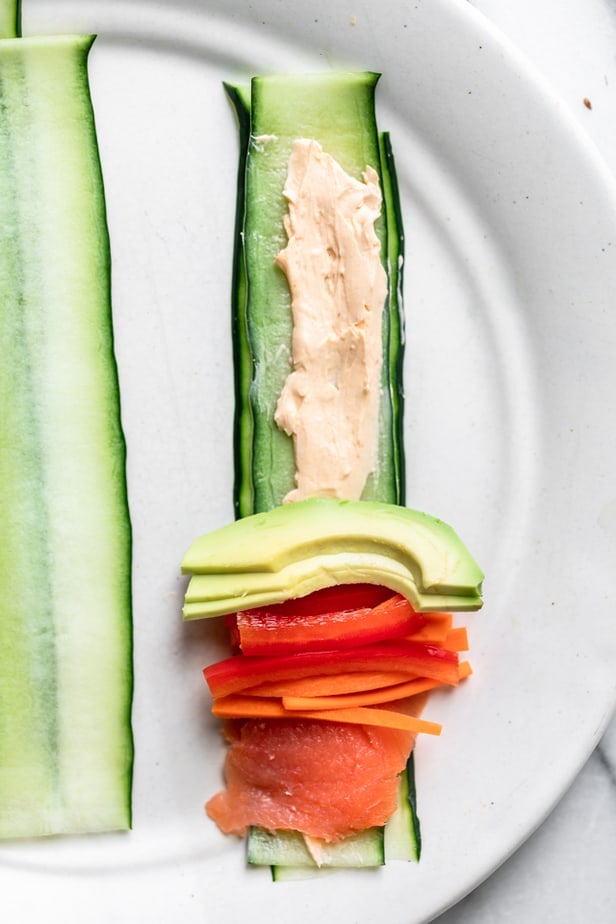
(332, 621)
(338, 598)
(416, 659)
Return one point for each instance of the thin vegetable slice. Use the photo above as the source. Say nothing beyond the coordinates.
(338, 110)
(243, 370)
(435, 629)
(369, 697)
(235, 674)
(284, 629)
(373, 694)
(329, 684)
(254, 707)
(65, 559)
(10, 18)
(290, 850)
(402, 832)
(456, 639)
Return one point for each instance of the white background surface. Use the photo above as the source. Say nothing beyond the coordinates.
(566, 871)
(171, 867)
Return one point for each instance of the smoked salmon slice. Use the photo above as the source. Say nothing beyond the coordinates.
(327, 780)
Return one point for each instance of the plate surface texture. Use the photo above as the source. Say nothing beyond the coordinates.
(511, 338)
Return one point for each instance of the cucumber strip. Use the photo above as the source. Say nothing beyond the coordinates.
(394, 254)
(243, 425)
(10, 18)
(245, 362)
(289, 848)
(66, 745)
(293, 873)
(402, 830)
(338, 110)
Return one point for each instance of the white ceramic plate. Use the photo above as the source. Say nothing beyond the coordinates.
(511, 286)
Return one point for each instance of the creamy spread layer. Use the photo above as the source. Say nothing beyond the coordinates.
(330, 400)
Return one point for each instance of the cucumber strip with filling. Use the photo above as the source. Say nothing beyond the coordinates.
(66, 748)
(338, 110)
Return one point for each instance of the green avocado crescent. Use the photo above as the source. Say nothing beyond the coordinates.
(297, 548)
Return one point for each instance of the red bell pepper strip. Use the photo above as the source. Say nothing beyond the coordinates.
(289, 627)
(417, 659)
(336, 598)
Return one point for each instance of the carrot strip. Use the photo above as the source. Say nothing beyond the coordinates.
(385, 718)
(456, 639)
(464, 670)
(436, 627)
(439, 618)
(238, 707)
(366, 698)
(331, 684)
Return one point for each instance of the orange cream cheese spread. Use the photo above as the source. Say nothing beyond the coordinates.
(330, 401)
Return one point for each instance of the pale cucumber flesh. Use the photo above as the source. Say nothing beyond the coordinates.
(66, 745)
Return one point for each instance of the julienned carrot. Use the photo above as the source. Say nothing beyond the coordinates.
(369, 697)
(464, 670)
(456, 639)
(435, 628)
(329, 684)
(253, 707)
(441, 632)
(366, 698)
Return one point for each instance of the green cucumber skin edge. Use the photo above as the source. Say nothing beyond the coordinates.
(249, 494)
(67, 756)
(243, 367)
(395, 255)
(10, 18)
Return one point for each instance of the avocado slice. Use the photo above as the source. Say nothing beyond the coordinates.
(297, 548)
